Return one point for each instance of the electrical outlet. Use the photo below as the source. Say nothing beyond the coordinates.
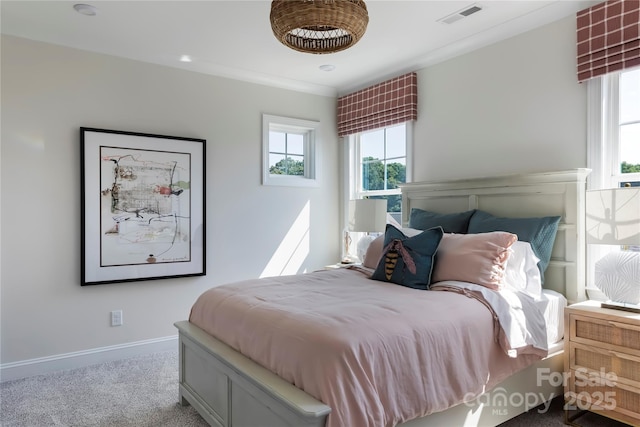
(116, 318)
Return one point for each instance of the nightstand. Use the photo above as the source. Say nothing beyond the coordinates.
(601, 362)
(338, 265)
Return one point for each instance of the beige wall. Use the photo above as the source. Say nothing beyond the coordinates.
(510, 107)
(48, 92)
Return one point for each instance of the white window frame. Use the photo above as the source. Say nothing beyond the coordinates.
(309, 130)
(603, 154)
(353, 176)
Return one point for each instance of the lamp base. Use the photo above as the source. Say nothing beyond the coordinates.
(624, 306)
(617, 275)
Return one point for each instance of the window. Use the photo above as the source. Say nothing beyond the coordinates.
(289, 151)
(629, 123)
(379, 163)
(615, 130)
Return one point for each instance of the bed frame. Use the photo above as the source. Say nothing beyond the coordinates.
(230, 390)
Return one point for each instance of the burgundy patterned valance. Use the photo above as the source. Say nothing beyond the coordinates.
(385, 104)
(608, 38)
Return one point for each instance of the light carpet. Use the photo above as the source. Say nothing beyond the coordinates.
(139, 391)
(143, 391)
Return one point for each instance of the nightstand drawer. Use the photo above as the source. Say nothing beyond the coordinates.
(614, 400)
(608, 363)
(594, 331)
(602, 362)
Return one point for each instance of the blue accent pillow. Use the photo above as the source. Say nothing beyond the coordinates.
(539, 232)
(408, 261)
(450, 223)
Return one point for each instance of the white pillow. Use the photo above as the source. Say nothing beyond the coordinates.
(410, 232)
(552, 306)
(522, 272)
(363, 245)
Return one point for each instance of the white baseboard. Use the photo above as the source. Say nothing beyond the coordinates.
(78, 359)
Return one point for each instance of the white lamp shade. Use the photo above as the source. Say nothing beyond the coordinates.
(613, 216)
(367, 215)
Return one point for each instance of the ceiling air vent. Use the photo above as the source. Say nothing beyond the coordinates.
(470, 11)
(463, 13)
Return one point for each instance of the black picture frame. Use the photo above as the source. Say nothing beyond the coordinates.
(143, 206)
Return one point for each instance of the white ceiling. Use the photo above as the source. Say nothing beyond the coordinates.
(234, 38)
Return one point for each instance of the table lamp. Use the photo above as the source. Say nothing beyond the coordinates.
(613, 218)
(365, 215)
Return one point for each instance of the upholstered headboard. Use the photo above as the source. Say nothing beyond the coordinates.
(559, 193)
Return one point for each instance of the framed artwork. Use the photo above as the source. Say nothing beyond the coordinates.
(143, 206)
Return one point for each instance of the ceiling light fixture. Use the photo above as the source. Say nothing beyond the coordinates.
(319, 26)
(185, 58)
(86, 9)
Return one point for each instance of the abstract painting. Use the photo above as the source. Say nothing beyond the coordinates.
(143, 206)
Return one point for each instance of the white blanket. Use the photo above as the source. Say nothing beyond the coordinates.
(521, 325)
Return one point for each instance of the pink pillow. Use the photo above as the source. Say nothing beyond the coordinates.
(476, 258)
(374, 253)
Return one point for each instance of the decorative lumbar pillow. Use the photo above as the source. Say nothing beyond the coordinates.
(540, 232)
(408, 261)
(451, 223)
(474, 258)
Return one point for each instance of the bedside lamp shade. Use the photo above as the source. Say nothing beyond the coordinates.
(367, 215)
(613, 216)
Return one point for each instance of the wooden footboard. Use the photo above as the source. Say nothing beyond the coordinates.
(228, 389)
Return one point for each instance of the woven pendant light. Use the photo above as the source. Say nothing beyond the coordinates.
(319, 26)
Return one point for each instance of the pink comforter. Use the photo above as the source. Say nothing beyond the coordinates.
(377, 353)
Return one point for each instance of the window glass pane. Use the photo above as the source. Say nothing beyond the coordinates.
(295, 143)
(630, 96)
(630, 148)
(396, 141)
(382, 163)
(295, 165)
(373, 175)
(396, 173)
(376, 147)
(277, 142)
(394, 203)
(372, 144)
(629, 143)
(277, 165)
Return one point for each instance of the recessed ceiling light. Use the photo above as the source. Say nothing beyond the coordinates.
(327, 67)
(185, 58)
(86, 9)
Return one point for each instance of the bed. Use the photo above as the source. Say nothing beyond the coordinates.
(229, 389)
